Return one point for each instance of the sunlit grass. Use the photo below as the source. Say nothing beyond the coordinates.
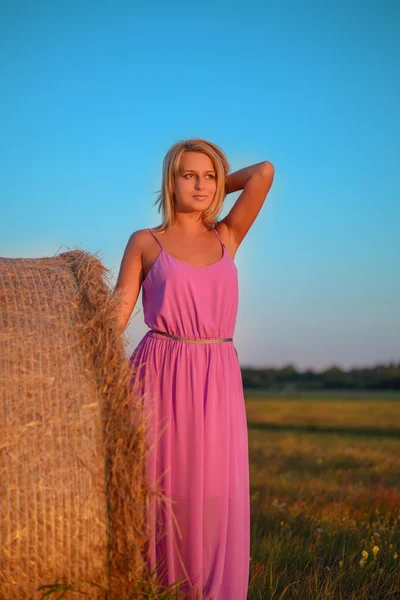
(325, 498)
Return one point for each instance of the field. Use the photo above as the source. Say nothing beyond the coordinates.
(325, 496)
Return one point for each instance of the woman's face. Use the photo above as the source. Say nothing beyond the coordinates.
(196, 177)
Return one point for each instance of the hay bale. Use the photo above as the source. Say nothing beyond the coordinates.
(72, 492)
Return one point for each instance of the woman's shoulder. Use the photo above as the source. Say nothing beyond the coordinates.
(145, 237)
(140, 239)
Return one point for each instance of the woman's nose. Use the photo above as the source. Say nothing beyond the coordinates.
(199, 184)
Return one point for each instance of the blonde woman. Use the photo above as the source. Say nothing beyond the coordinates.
(187, 369)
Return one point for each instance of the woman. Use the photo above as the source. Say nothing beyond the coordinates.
(187, 370)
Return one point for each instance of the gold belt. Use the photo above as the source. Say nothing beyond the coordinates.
(175, 337)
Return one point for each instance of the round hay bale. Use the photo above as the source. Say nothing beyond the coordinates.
(72, 492)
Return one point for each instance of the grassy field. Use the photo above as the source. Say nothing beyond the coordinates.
(325, 496)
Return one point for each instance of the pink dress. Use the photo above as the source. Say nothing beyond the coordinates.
(193, 394)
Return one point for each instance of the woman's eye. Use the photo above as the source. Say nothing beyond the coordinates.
(190, 175)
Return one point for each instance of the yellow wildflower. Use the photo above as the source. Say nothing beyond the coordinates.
(375, 550)
(364, 554)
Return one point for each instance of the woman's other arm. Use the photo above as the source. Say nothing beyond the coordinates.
(130, 278)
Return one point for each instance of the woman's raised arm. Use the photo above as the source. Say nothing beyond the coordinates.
(255, 181)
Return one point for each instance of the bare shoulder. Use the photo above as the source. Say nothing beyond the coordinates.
(142, 246)
(134, 250)
(139, 240)
(140, 235)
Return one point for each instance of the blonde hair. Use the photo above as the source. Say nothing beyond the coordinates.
(171, 165)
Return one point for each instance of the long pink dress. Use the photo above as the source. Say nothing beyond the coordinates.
(199, 445)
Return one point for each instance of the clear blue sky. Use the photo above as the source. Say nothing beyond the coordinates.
(94, 94)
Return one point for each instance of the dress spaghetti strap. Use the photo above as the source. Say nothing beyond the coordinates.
(156, 238)
(218, 236)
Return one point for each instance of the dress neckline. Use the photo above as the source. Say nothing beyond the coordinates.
(182, 262)
(195, 266)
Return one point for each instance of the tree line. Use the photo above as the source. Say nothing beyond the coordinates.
(378, 377)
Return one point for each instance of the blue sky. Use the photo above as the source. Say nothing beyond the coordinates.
(94, 94)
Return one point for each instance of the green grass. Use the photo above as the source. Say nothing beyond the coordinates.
(325, 486)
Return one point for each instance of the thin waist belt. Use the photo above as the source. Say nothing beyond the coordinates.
(182, 339)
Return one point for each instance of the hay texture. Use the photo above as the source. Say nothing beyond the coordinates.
(72, 492)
